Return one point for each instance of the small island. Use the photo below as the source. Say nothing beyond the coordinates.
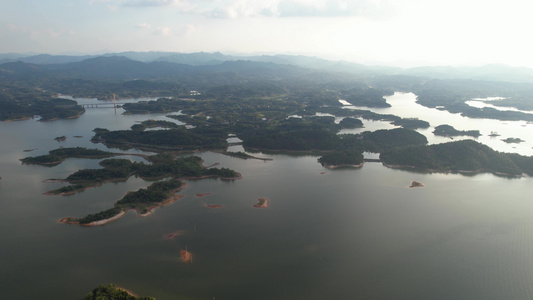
(61, 138)
(511, 140)
(186, 256)
(449, 131)
(57, 156)
(416, 184)
(261, 203)
(333, 160)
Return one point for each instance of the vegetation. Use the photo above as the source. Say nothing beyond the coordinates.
(411, 123)
(383, 140)
(350, 123)
(154, 124)
(451, 95)
(366, 97)
(26, 102)
(511, 140)
(459, 156)
(103, 215)
(112, 292)
(344, 158)
(55, 157)
(162, 165)
(172, 139)
(448, 130)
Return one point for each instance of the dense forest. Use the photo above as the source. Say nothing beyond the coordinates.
(27, 102)
(341, 158)
(448, 130)
(55, 157)
(459, 156)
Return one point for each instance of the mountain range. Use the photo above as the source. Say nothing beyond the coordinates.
(159, 64)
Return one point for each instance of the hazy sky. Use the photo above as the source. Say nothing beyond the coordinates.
(401, 32)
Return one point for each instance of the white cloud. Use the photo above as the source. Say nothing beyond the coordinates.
(144, 25)
(163, 31)
(191, 30)
(233, 9)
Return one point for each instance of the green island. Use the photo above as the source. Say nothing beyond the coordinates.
(448, 130)
(338, 159)
(159, 193)
(465, 156)
(113, 292)
(57, 156)
(512, 140)
(154, 124)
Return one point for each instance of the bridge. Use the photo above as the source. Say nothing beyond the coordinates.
(102, 105)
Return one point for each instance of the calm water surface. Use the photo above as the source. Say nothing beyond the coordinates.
(342, 234)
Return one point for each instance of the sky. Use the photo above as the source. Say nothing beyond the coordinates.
(403, 33)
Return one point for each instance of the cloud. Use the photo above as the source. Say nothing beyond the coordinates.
(163, 31)
(233, 9)
(144, 25)
(191, 29)
(184, 6)
(145, 3)
(327, 8)
(299, 8)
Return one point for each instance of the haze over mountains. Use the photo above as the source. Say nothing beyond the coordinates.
(160, 64)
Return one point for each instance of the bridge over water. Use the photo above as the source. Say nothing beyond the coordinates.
(102, 105)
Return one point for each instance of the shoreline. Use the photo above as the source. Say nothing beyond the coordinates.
(332, 167)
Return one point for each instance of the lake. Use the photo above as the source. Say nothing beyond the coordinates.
(327, 234)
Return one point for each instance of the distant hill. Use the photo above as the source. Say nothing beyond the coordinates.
(488, 72)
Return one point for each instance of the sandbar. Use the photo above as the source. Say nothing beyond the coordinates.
(202, 195)
(214, 205)
(186, 256)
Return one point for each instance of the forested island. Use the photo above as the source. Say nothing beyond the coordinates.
(164, 165)
(57, 156)
(448, 130)
(465, 156)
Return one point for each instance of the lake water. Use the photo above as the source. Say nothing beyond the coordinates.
(342, 234)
